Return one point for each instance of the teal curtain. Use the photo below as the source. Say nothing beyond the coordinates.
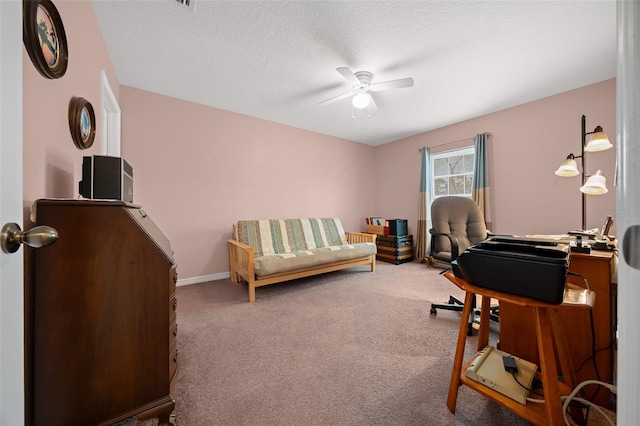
(480, 181)
(422, 236)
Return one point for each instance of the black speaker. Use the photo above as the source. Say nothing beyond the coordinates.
(106, 178)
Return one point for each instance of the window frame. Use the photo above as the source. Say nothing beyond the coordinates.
(447, 154)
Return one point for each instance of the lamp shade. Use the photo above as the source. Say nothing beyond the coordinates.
(360, 100)
(595, 185)
(568, 168)
(598, 141)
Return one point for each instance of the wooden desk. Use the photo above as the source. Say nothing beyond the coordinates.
(100, 317)
(517, 325)
(551, 345)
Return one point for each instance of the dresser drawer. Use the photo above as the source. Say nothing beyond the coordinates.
(395, 241)
(391, 251)
(173, 279)
(173, 350)
(173, 363)
(173, 333)
(173, 306)
(395, 259)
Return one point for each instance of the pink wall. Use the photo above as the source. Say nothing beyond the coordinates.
(52, 163)
(527, 145)
(198, 170)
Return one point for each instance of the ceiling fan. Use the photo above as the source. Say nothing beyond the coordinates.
(362, 84)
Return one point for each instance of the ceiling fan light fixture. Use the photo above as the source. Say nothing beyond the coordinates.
(360, 100)
(362, 87)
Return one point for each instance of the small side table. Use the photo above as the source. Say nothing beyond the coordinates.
(551, 342)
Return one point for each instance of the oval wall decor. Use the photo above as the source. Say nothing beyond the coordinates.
(82, 122)
(44, 37)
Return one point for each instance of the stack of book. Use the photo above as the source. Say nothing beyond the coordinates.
(376, 221)
(377, 225)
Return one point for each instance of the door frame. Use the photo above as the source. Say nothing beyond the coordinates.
(12, 386)
(111, 116)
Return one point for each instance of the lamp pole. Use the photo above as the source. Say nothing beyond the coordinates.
(584, 196)
(591, 184)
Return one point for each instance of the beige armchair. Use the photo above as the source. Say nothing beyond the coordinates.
(457, 223)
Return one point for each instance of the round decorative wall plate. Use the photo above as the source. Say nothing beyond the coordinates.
(82, 122)
(44, 37)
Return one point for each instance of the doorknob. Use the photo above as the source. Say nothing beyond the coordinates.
(39, 236)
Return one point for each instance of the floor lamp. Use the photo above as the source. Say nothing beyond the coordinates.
(595, 184)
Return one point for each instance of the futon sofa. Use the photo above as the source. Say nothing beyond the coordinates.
(270, 251)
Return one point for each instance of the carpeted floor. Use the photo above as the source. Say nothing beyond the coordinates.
(345, 348)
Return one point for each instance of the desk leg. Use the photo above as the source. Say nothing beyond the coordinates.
(457, 360)
(564, 354)
(485, 320)
(566, 363)
(544, 331)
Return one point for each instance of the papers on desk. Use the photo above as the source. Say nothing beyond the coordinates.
(560, 238)
(590, 234)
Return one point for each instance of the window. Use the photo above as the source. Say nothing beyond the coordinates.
(452, 172)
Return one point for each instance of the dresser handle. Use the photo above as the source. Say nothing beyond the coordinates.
(175, 304)
(175, 332)
(175, 278)
(175, 357)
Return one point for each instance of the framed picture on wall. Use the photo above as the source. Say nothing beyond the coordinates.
(82, 122)
(44, 37)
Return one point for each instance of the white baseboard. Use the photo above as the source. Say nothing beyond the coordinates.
(204, 278)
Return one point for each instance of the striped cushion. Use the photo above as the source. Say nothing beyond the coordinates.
(281, 236)
(276, 263)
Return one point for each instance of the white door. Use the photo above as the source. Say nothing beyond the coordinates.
(11, 269)
(627, 210)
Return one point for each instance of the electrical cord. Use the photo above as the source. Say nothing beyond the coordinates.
(569, 401)
(523, 386)
(562, 398)
(594, 352)
(542, 401)
(590, 405)
(586, 282)
(572, 396)
(609, 346)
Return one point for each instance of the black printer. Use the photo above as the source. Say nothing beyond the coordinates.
(533, 268)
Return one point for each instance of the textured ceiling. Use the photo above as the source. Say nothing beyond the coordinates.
(277, 60)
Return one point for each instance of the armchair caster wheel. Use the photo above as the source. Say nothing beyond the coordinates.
(433, 311)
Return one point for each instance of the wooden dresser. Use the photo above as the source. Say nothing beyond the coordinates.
(100, 310)
(517, 326)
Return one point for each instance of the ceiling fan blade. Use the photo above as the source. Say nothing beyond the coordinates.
(337, 98)
(348, 75)
(372, 107)
(392, 84)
